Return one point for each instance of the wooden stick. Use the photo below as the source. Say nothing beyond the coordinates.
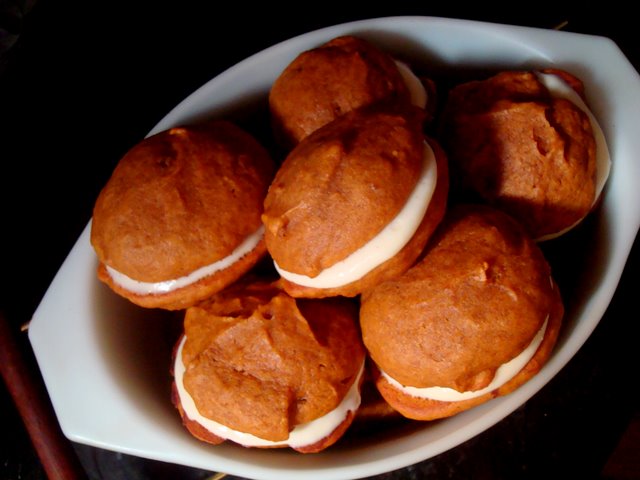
(217, 476)
(54, 450)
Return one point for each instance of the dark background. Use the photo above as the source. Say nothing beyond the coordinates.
(81, 82)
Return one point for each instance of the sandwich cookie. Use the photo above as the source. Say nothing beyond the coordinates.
(477, 317)
(341, 75)
(355, 203)
(179, 219)
(261, 369)
(527, 143)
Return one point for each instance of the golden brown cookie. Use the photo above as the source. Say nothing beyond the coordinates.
(338, 191)
(261, 363)
(482, 295)
(515, 145)
(325, 82)
(179, 219)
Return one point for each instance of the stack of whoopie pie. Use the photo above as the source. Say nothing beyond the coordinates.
(386, 293)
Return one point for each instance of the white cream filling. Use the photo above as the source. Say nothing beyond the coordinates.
(145, 288)
(301, 436)
(385, 244)
(417, 92)
(503, 374)
(560, 89)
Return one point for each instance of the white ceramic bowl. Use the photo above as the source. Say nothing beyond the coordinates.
(105, 361)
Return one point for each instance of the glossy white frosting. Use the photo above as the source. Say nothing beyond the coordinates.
(503, 374)
(301, 436)
(387, 243)
(145, 288)
(560, 89)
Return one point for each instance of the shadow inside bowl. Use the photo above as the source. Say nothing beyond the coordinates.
(137, 346)
(579, 261)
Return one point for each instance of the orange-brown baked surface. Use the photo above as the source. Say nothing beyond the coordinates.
(328, 81)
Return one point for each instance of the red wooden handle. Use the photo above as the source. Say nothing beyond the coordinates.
(54, 450)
